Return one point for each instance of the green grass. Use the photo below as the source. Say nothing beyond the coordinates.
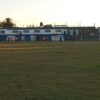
(50, 71)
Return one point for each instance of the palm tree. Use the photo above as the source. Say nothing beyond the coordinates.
(7, 23)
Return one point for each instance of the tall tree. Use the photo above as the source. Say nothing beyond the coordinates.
(41, 24)
(8, 23)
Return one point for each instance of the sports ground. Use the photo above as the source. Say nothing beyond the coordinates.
(50, 70)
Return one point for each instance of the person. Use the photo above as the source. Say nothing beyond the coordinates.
(60, 39)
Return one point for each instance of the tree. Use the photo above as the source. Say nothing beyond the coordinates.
(48, 26)
(41, 24)
(0, 24)
(7, 23)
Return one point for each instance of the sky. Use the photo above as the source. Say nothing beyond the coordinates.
(56, 12)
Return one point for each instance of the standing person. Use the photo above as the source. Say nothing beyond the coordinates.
(60, 39)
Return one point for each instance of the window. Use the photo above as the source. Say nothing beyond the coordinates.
(25, 31)
(58, 30)
(20, 32)
(2, 31)
(47, 31)
(37, 31)
(15, 31)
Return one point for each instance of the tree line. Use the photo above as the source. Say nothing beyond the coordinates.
(8, 23)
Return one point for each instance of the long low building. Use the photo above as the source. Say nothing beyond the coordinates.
(49, 34)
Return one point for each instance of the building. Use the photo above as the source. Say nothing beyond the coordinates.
(49, 34)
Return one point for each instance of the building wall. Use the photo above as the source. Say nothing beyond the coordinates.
(50, 34)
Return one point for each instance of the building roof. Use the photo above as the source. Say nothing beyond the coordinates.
(22, 28)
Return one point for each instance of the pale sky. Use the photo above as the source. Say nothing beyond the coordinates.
(70, 12)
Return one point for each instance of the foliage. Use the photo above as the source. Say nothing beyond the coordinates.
(48, 26)
(41, 24)
(7, 23)
(0, 24)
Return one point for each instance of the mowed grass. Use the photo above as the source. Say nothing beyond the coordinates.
(50, 71)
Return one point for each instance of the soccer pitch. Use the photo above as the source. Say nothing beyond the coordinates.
(50, 71)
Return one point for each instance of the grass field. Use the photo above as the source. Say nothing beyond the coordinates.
(50, 71)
